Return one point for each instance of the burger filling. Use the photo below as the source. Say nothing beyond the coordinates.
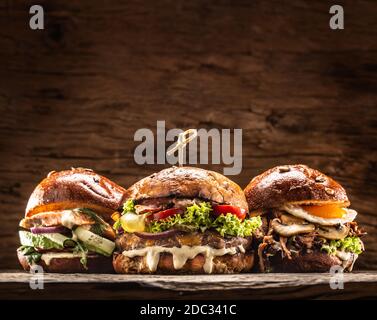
(295, 230)
(183, 228)
(185, 215)
(76, 233)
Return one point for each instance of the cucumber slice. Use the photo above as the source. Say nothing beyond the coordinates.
(95, 242)
(26, 239)
(59, 239)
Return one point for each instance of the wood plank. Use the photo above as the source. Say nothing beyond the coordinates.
(242, 286)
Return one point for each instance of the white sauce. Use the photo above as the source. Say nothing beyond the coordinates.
(47, 257)
(67, 219)
(241, 248)
(181, 255)
(345, 257)
(342, 255)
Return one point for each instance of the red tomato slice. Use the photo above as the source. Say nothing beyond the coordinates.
(225, 208)
(166, 213)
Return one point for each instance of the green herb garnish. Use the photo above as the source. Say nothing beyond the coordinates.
(348, 244)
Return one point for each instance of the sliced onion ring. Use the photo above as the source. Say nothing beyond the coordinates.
(157, 235)
(55, 229)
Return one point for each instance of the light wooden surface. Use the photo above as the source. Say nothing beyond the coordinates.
(75, 93)
(241, 286)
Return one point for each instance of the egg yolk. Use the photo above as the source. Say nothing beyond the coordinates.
(328, 211)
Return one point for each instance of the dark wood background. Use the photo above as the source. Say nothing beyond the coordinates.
(75, 93)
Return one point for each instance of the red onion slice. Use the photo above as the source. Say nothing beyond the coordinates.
(157, 235)
(55, 229)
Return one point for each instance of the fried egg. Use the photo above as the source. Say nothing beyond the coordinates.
(300, 212)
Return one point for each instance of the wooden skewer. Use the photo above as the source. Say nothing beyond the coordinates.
(184, 138)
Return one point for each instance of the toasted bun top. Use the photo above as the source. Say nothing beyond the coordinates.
(295, 184)
(189, 182)
(75, 188)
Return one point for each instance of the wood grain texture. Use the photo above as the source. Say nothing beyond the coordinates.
(251, 286)
(75, 93)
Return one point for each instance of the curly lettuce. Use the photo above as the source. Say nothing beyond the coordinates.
(348, 244)
(230, 225)
(129, 206)
(198, 217)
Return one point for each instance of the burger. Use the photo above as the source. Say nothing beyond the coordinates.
(308, 225)
(66, 227)
(184, 220)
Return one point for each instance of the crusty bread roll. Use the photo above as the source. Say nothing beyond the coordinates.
(312, 262)
(76, 188)
(294, 184)
(189, 182)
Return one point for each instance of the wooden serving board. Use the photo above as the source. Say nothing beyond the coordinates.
(16, 285)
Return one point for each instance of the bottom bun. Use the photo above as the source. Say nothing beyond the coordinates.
(240, 262)
(309, 262)
(95, 264)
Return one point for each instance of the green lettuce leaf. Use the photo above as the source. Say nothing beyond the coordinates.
(30, 253)
(348, 244)
(32, 241)
(229, 224)
(81, 248)
(198, 217)
(38, 241)
(129, 206)
(100, 225)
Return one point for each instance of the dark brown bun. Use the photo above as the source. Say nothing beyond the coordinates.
(189, 182)
(295, 184)
(240, 262)
(76, 188)
(310, 262)
(95, 264)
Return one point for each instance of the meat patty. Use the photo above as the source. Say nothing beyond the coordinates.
(130, 241)
(227, 264)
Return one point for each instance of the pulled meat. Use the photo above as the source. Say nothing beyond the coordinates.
(275, 247)
(355, 230)
(283, 244)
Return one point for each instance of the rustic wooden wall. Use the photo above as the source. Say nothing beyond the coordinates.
(74, 93)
